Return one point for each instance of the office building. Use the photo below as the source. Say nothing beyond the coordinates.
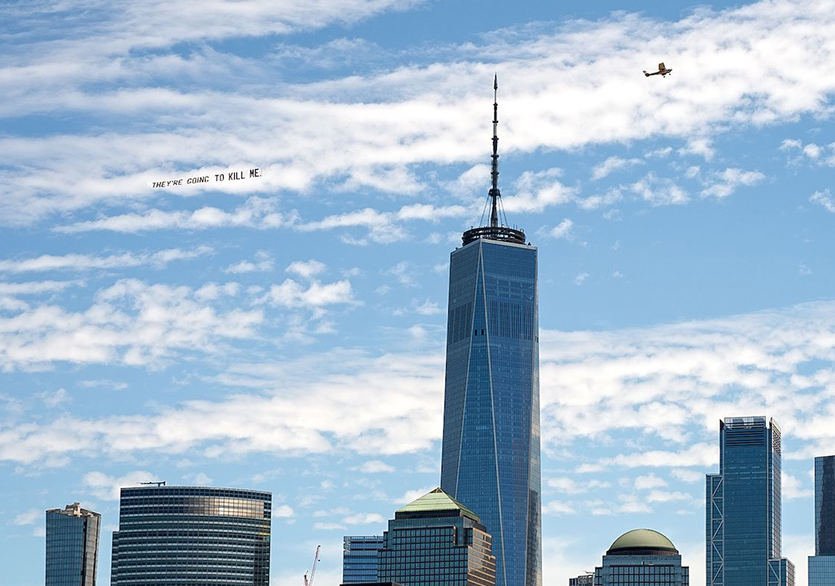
(822, 564)
(743, 513)
(491, 438)
(642, 557)
(359, 558)
(436, 541)
(72, 546)
(192, 536)
(584, 580)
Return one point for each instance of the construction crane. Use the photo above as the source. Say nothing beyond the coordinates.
(157, 482)
(313, 569)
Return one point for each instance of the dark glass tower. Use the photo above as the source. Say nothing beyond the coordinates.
(192, 536)
(360, 554)
(491, 441)
(743, 516)
(822, 564)
(72, 546)
(436, 541)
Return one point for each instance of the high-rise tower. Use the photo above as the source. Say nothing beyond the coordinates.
(72, 546)
(822, 564)
(744, 501)
(490, 456)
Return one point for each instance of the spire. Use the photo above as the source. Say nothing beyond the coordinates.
(497, 229)
(495, 194)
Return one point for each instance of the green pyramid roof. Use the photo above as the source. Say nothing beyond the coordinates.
(437, 500)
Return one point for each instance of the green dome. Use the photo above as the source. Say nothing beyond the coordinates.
(644, 541)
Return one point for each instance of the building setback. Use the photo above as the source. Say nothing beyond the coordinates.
(642, 557)
(359, 558)
(192, 536)
(72, 546)
(436, 541)
(491, 438)
(822, 564)
(743, 513)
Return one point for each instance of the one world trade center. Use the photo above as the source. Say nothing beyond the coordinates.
(491, 443)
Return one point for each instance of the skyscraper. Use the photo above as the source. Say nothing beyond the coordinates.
(743, 515)
(641, 557)
(72, 546)
(192, 536)
(360, 557)
(491, 441)
(436, 541)
(822, 564)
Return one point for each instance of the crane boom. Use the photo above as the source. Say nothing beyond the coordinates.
(313, 569)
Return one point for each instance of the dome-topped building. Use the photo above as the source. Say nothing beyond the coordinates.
(640, 557)
(642, 541)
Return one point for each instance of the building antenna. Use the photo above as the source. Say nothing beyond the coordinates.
(495, 194)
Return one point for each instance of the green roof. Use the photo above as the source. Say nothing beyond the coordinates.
(437, 500)
(642, 538)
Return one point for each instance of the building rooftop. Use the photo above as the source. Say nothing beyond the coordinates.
(434, 501)
(642, 542)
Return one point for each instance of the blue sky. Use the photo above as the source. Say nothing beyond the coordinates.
(286, 332)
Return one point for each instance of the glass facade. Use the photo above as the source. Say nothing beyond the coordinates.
(780, 572)
(72, 546)
(440, 547)
(825, 506)
(359, 558)
(491, 438)
(743, 514)
(822, 564)
(192, 536)
(821, 570)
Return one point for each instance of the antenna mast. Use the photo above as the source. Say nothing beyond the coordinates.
(494, 172)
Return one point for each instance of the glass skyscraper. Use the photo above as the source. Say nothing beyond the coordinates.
(359, 558)
(743, 513)
(642, 557)
(192, 536)
(822, 564)
(436, 541)
(491, 439)
(72, 546)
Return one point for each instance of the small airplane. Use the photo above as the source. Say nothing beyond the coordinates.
(662, 71)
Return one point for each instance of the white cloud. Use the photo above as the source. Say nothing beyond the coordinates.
(293, 294)
(689, 476)
(792, 488)
(570, 486)
(364, 519)
(580, 279)
(381, 117)
(283, 512)
(307, 269)
(262, 264)
(108, 487)
(658, 191)
(374, 467)
(557, 508)
(30, 517)
(81, 262)
(825, 199)
(130, 322)
(329, 527)
(612, 164)
(563, 230)
(722, 184)
(649, 481)
(414, 494)
(56, 398)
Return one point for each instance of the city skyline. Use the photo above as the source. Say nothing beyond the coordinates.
(284, 329)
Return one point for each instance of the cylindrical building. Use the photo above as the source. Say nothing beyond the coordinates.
(192, 536)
